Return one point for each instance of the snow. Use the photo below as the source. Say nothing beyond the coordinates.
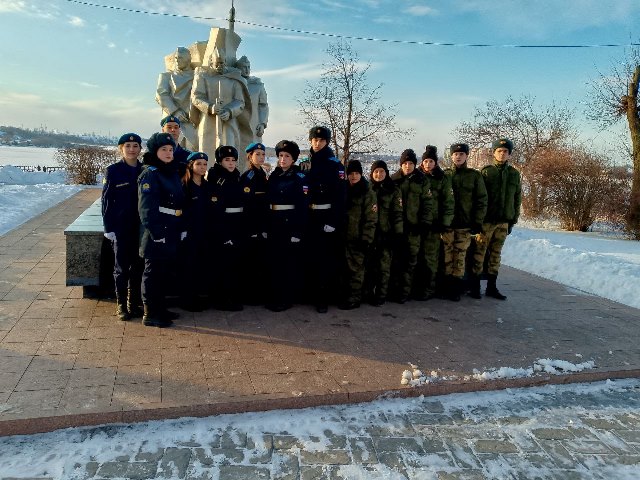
(33, 156)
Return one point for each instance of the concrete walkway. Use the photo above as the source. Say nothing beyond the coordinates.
(68, 361)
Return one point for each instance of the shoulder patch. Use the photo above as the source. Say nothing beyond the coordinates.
(300, 174)
(334, 159)
(341, 174)
(250, 174)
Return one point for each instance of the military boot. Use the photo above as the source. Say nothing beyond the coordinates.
(152, 318)
(122, 312)
(474, 287)
(492, 290)
(134, 303)
(453, 288)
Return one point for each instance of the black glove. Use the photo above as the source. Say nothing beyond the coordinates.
(437, 228)
(509, 228)
(476, 228)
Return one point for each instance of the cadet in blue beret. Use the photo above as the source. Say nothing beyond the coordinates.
(122, 224)
(161, 202)
(228, 202)
(171, 124)
(254, 186)
(191, 252)
(327, 195)
(287, 218)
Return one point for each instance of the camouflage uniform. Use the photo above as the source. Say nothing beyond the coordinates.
(505, 195)
(470, 197)
(389, 226)
(443, 208)
(362, 216)
(417, 217)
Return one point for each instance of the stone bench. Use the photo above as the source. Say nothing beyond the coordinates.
(89, 255)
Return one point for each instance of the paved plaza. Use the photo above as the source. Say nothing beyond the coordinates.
(67, 360)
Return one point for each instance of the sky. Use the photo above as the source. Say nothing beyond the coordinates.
(82, 68)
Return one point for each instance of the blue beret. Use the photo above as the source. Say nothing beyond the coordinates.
(255, 146)
(503, 143)
(170, 118)
(130, 137)
(197, 156)
(224, 151)
(158, 140)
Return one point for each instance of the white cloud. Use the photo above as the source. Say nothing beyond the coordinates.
(103, 27)
(76, 21)
(306, 71)
(9, 6)
(24, 8)
(419, 10)
(111, 45)
(88, 85)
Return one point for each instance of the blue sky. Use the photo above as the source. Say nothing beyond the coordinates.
(80, 68)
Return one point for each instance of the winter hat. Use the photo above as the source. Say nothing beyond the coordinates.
(158, 140)
(459, 147)
(408, 156)
(254, 146)
(502, 143)
(354, 166)
(130, 137)
(224, 151)
(431, 152)
(197, 156)
(320, 132)
(169, 118)
(288, 146)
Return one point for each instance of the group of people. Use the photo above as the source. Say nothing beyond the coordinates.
(316, 232)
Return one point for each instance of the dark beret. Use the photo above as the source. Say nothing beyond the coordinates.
(169, 118)
(255, 146)
(130, 137)
(197, 156)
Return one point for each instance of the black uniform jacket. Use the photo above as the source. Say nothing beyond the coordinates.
(327, 185)
(254, 186)
(228, 202)
(120, 199)
(287, 189)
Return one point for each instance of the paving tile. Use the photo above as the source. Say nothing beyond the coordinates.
(128, 396)
(34, 379)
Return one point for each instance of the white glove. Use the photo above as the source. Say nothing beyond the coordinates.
(110, 236)
(264, 235)
(162, 240)
(228, 242)
(295, 239)
(183, 235)
(329, 229)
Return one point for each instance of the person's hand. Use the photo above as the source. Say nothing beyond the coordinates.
(228, 242)
(305, 166)
(225, 115)
(264, 235)
(162, 240)
(260, 129)
(295, 240)
(217, 108)
(328, 229)
(110, 236)
(255, 235)
(183, 235)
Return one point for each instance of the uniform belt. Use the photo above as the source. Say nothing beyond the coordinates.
(234, 210)
(170, 211)
(320, 206)
(282, 207)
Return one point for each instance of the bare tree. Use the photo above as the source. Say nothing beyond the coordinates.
(533, 129)
(83, 163)
(344, 100)
(615, 96)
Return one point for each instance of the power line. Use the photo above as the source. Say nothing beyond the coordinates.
(351, 37)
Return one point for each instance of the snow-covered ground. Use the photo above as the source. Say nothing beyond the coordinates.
(27, 156)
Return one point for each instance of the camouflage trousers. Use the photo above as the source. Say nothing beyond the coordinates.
(491, 240)
(427, 267)
(355, 272)
(378, 269)
(405, 260)
(456, 242)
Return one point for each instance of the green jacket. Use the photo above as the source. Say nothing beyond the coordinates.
(389, 207)
(362, 212)
(470, 196)
(442, 194)
(416, 200)
(505, 193)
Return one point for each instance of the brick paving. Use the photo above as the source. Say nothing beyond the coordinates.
(68, 361)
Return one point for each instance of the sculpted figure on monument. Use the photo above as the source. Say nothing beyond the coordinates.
(259, 115)
(174, 94)
(218, 97)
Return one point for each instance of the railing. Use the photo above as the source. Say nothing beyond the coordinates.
(38, 168)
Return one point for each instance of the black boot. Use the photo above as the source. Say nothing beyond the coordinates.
(134, 303)
(122, 312)
(492, 290)
(474, 287)
(453, 288)
(152, 318)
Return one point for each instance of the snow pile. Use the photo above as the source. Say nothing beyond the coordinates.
(415, 377)
(10, 175)
(545, 365)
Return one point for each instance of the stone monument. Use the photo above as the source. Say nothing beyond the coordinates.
(256, 119)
